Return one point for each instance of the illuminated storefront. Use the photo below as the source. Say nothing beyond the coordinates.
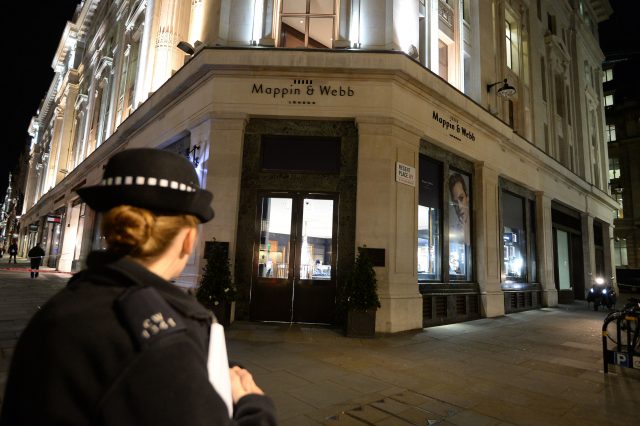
(318, 133)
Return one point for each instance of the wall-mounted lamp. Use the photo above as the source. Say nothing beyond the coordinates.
(191, 155)
(506, 91)
(186, 48)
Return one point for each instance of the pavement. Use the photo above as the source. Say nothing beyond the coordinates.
(539, 367)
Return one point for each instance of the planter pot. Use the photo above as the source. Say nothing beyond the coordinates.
(224, 313)
(361, 323)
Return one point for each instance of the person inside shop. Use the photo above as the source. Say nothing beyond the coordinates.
(35, 257)
(13, 251)
(120, 344)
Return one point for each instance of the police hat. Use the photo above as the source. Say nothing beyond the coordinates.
(161, 181)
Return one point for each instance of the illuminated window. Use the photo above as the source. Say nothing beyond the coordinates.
(429, 220)
(610, 133)
(620, 252)
(614, 168)
(448, 211)
(607, 75)
(511, 45)
(608, 100)
(518, 238)
(617, 195)
(307, 23)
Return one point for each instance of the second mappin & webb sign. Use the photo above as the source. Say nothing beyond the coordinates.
(453, 127)
(302, 91)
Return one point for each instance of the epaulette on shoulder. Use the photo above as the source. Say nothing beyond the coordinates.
(147, 315)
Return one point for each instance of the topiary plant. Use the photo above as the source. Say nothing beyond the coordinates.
(361, 289)
(216, 285)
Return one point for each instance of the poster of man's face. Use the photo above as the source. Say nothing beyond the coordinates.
(459, 224)
(459, 192)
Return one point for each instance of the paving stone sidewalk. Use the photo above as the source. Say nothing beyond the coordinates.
(541, 367)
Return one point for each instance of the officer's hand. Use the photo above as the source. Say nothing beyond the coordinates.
(242, 384)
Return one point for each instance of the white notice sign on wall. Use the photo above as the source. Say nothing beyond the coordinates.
(405, 174)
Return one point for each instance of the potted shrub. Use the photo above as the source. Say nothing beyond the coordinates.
(360, 297)
(217, 291)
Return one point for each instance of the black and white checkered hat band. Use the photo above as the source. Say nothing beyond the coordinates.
(147, 181)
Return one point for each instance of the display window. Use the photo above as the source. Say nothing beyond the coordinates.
(429, 214)
(444, 203)
(519, 263)
(514, 238)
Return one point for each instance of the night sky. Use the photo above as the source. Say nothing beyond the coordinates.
(30, 54)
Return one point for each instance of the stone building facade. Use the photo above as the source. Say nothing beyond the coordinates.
(460, 141)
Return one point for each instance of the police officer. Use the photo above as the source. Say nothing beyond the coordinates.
(121, 345)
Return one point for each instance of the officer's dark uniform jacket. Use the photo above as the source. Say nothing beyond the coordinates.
(120, 346)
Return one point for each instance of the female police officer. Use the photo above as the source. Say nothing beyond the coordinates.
(120, 344)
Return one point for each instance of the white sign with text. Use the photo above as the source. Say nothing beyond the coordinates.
(405, 174)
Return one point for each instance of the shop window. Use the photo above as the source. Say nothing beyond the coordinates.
(459, 226)
(514, 238)
(307, 23)
(444, 204)
(429, 219)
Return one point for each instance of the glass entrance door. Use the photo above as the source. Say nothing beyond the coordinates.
(294, 258)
